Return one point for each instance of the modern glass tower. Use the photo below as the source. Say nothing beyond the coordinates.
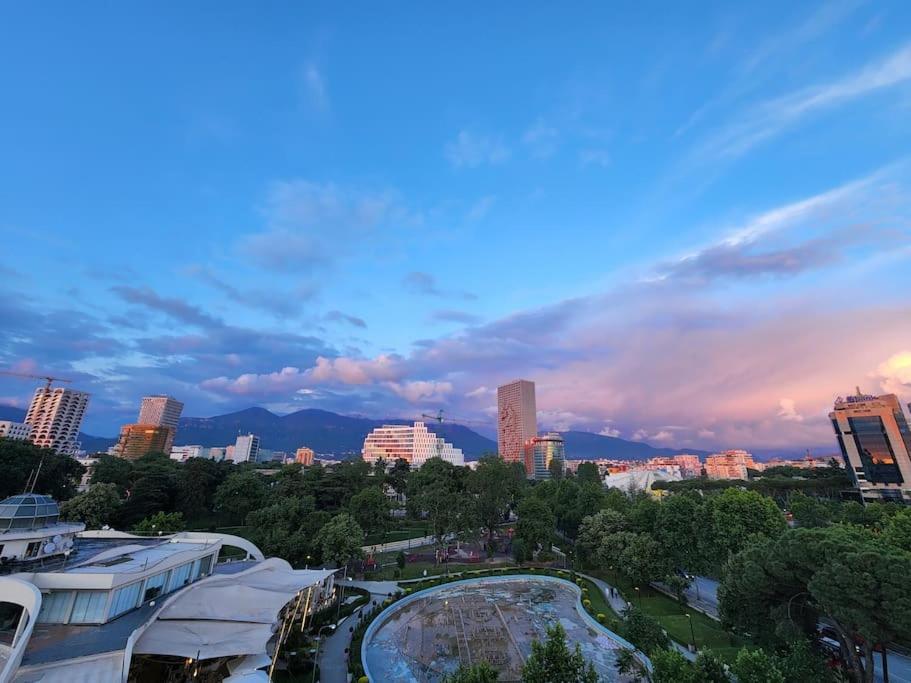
(875, 442)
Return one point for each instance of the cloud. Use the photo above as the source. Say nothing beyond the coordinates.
(338, 316)
(469, 150)
(592, 156)
(481, 208)
(541, 139)
(312, 225)
(787, 410)
(279, 303)
(315, 87)
(894, 374)
(610, 431)
(418, 391)
(173, 308)
(453, 316)
(771, 117)
(425, 284)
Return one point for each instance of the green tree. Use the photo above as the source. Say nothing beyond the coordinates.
(239, 494)
(672, 667)
(478, 673)
(587, 472)
(197, 481)
(755, 666)
(710, 669)
(519, 551)
(536, 523)
(113, 470)
(553, 662)
(678, 584)
(612, 546)
(898, 531)
(397, 476)
(644, 560)
(802, 664)
(287, 529)
(370, 509)
(733, 519)
(94, 508)
(809, 512)
(594, 530)
(643, 631)
(58, 475)
(340, 539)
(161, 523)
(494, 487)
(676, 531)
(438, 491)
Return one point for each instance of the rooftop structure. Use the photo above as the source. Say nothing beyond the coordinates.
(55, 417)
(31, 530)
(414, 443)
(875, 442)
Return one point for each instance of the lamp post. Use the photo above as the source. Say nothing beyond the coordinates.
(316, 655)
(307, 566)
(638, 596)
(689, 618)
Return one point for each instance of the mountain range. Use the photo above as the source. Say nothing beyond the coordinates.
(341, 435)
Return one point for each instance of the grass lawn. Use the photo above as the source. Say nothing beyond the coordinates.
(672, 616)
(415, 570)
(395, 535)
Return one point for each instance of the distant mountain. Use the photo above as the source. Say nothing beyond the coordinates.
(585, 445)
(92, 444)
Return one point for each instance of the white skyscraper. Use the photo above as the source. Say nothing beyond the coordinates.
(246, 448)
(162, 411)
(517, 422)
(55, 416)
(413, 443)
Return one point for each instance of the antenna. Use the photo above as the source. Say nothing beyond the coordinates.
(38, 472)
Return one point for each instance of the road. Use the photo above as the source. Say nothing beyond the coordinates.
(394, 546)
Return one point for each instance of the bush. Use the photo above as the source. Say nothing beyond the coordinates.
(587, 603)
(602, 618)
(363, 679)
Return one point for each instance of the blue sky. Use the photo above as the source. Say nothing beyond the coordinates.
(688, 224)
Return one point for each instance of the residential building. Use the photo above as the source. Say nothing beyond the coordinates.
(875, 443)
(17, 431)
(689, 465)
(540, 454)
(517, 420)
(162, 411)
(218, 453)
(304, 456)
(137, 440)
(246, 448)
(121, 608)
(731, 464)
(413, 443)
(183, 453)
(55, 417)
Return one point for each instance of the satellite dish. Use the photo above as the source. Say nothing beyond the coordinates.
(57, 539)
(68, 543)
(49, 548)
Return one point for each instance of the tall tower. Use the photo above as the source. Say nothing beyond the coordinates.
(517, 422)
(875, 442)
(161, 411)
(55, 416)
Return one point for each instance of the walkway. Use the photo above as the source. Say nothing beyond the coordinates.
(395, 546)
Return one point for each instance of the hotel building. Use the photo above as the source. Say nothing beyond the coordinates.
(875, 443)
(415, 444)
(55, 417)
(517, 422)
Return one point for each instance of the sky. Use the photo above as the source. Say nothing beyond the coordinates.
(688, 224)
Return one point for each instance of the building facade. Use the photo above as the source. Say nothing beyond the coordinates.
(415, 444)
(161, 411)
(137, 440)
(246, 448)
(517, 422)
(729, 465)
(304, 456)
(183, 453)
(541, 452)
(55, 417)
(875, 443)
(688, 465)
(17, 431)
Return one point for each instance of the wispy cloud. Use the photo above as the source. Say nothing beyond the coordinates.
(481, 208)
(338, 316)
(469, 150)
(279, 303)
(595, 157)
(314, 84)
(541, 139)
(449, 315)
(425, 284)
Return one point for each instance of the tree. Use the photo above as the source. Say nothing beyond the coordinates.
(898, 531)
(594, 530)
(678, 583)
(240, 493)
(437, 490)
(113, 470)
(755, 666)
(710, 669)
(94, 508)
(58, 475)
(494, 487)
(287, 529)
(809, 512)
(536, 523)
(370, 509)
(671, 667)
(731, 520)
(612, 546)
(553, 662)
(675, 529)
(644, 560)
(161, 523)
(340, 539)
(478, 673)
(519, 551)
(587, 472)
(197, 481)
(397, 476)
(643, 631)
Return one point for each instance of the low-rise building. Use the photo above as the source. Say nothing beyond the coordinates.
(17, 431)
(413, 443)
(304, 456)
(184, 453)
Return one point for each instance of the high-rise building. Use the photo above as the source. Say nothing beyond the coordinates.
(246, 448)
(55, 417)
(540, 454)
(415, 444)
(161, 411)
(729, 465)
(137, 440)
(875, 442)
(304, 456)
(517, 420)
(17, 431)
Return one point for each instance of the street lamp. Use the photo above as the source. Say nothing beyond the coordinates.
(307, 566)
(689, 618)
(638, 596)
(316, 655)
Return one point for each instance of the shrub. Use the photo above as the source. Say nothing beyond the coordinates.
(587, 603)
(363, 679)
(601, 617)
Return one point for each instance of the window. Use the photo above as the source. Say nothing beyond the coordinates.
(89, 607)
(33, 549)
(155, 586)
(180, 576)
(875, 450)
(125, 599)
(55, 607)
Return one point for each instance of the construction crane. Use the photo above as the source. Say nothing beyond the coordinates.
(440, 419)
(46, 378)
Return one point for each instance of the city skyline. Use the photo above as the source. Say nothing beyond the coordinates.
(691, 247)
